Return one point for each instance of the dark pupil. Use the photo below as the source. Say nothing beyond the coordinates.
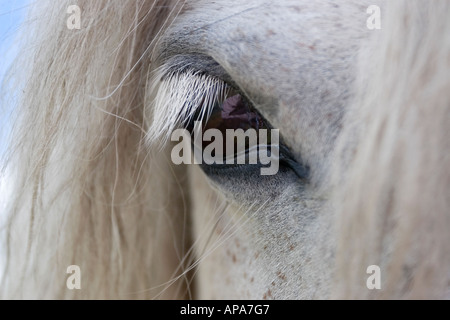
(235, 114)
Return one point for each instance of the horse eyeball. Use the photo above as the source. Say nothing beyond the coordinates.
(234, 113)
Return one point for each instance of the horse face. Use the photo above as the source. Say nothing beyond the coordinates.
(361, 159)
(295, 62)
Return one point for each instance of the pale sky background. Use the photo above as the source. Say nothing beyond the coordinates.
(12, 14)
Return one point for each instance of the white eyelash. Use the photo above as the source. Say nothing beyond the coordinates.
(175, 98)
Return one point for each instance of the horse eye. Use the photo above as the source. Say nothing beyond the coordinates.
(251, 139)
(234, 114)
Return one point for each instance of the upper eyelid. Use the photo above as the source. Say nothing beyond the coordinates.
(176, 96)
(178, 85)
(197, 68)
(200, 63)
(203, 65)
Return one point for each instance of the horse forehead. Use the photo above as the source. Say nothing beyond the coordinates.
(268, 42)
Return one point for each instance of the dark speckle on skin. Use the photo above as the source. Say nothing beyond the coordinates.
(295, 8)
(281, 275)
(270, 32)
(325, 94)
(267, 295)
